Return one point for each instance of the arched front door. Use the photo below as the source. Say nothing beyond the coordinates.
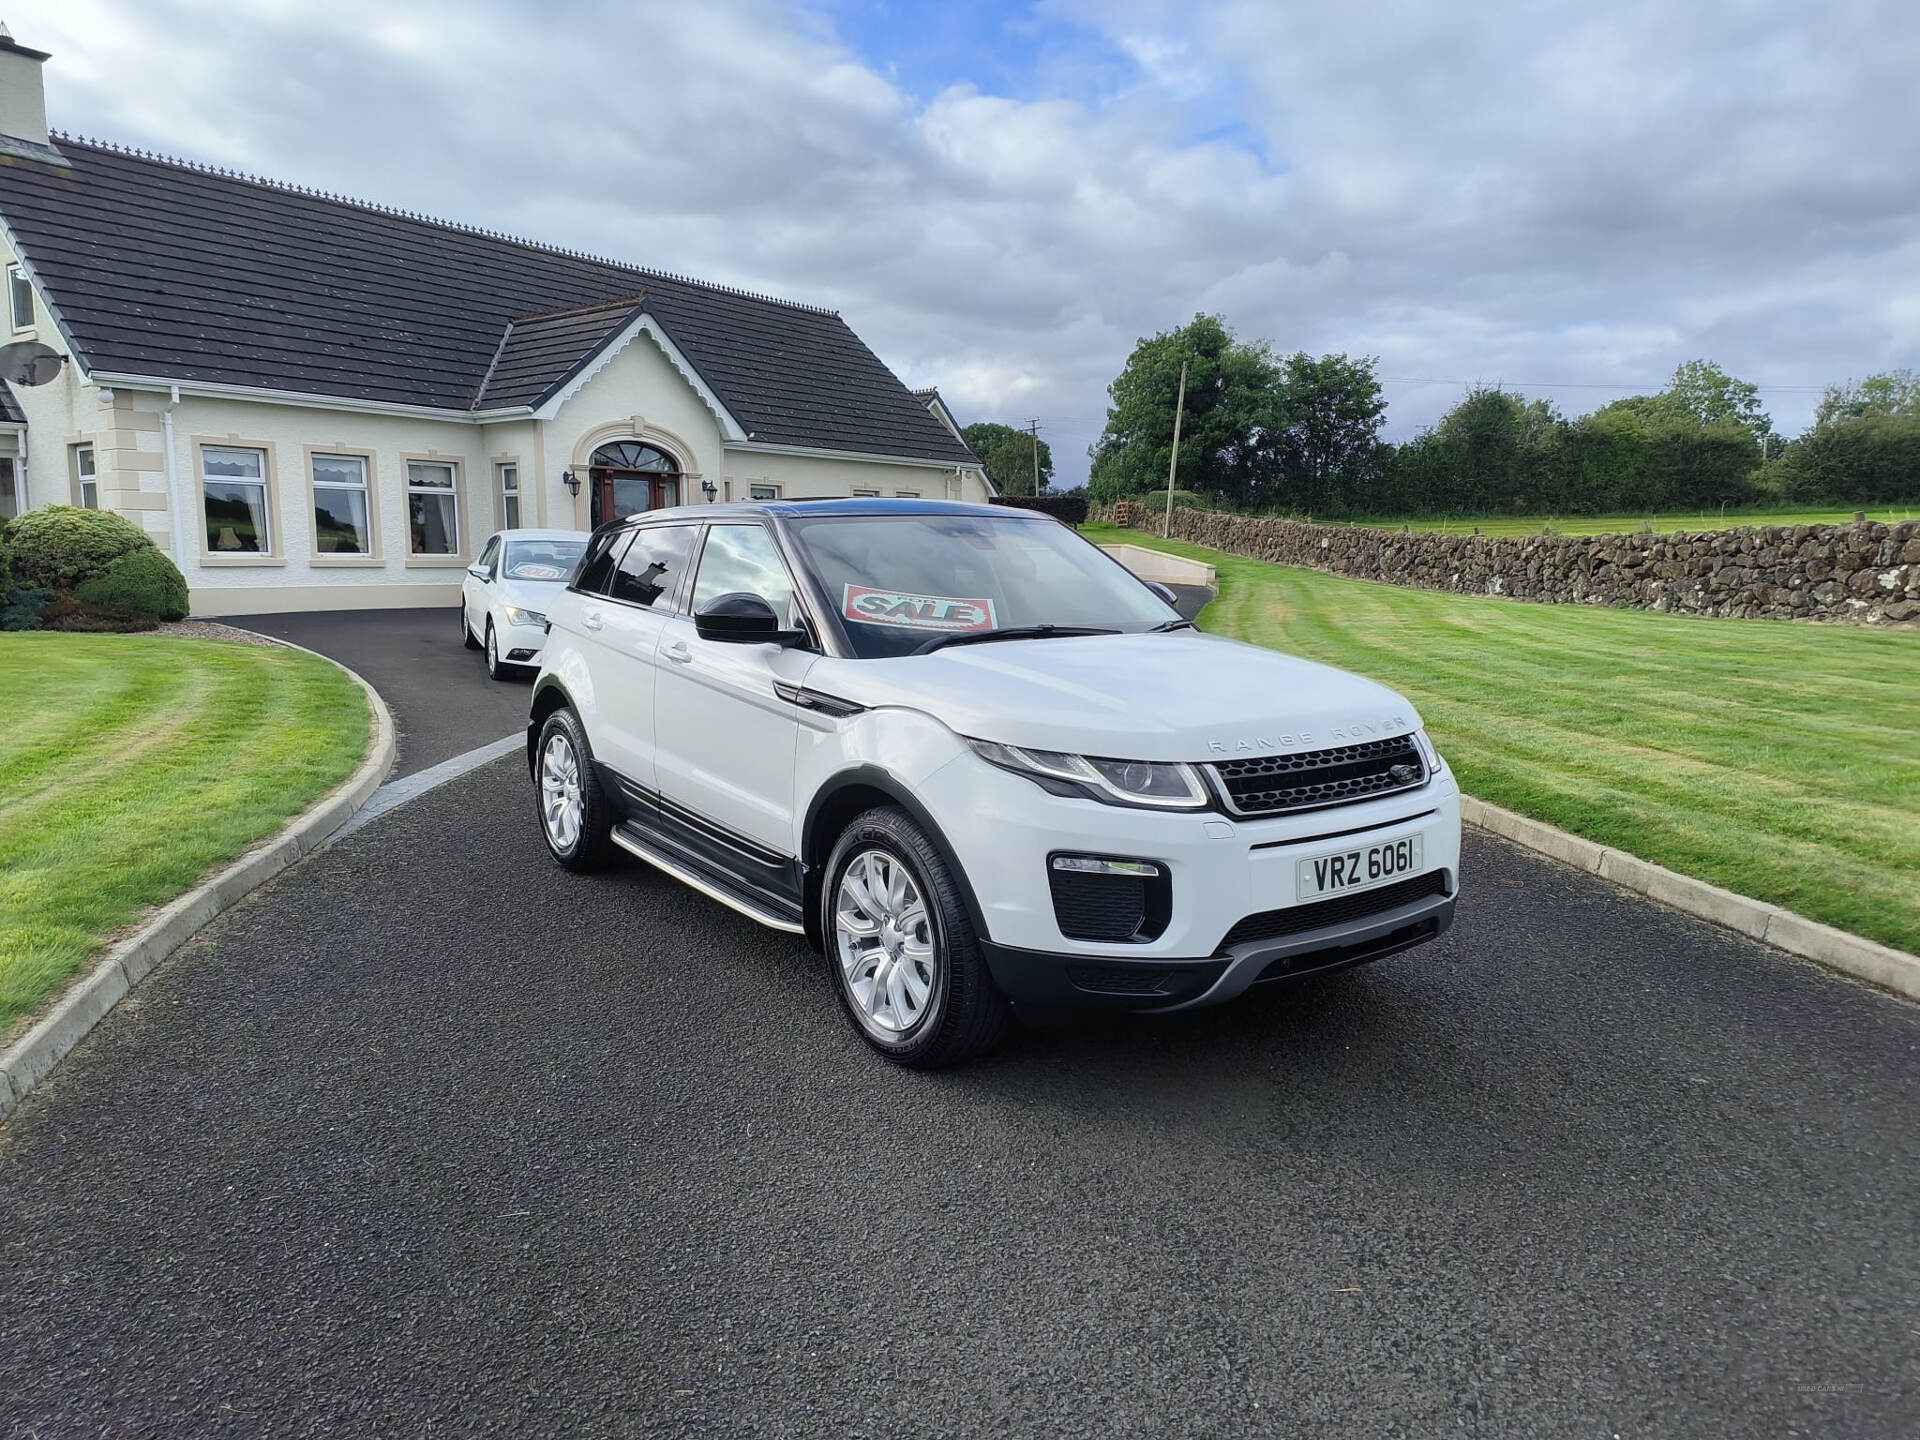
(630, 477)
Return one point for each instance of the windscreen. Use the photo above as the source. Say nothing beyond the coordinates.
(897, 581)
(542, 559)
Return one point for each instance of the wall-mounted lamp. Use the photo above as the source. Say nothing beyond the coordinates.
(709, 489)
(572, 482)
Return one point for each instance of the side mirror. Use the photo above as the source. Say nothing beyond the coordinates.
(738, 618)
(1164, 593)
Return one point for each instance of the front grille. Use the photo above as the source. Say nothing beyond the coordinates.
(1318, 914)
(1273, 784)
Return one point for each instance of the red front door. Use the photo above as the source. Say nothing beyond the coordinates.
(619, 493)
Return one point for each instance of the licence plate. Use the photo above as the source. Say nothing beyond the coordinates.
(1359, 868)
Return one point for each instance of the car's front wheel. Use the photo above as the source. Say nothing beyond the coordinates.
(905, 961)
(575, 817)
(496, 668)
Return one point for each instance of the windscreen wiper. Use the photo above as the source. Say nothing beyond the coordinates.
(1166, 625)
(1012, 632)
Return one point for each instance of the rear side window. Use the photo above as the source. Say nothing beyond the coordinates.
(650, 570)
(597, 569)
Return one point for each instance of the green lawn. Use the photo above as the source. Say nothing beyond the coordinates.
(1660, 523)
(1778, 760)
(131, 766)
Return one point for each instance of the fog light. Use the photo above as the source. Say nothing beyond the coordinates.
(1096, 865)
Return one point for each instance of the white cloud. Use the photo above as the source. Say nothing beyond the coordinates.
(1492, 192)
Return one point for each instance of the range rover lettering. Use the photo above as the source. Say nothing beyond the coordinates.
(978, 764)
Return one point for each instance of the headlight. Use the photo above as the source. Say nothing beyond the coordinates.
(517, 616)
(1150, 784)
(1434, 763)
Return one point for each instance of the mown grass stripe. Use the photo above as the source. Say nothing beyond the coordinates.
(146, 763)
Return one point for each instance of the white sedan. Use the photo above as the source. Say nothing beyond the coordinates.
(503, 601)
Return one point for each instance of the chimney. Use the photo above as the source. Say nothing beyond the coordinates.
(23, 102)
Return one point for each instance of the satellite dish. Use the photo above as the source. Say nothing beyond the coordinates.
(28, 362)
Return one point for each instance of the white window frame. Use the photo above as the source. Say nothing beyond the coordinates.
(507, 479)
(315, 485)
(16, 278)
(859, 494)
(452, 489)
(16, 481)
(755, 487)
(266, 550)
(906, 494)
(84, 478)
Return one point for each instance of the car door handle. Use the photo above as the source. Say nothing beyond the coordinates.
(591, 619)
(678, 653)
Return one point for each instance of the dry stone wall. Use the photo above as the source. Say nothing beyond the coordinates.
(1865, 573)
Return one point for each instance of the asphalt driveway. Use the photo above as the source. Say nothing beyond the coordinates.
(429, 1135)
(443, 704)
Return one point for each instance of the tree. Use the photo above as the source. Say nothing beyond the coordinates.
(1227, 436)
(1331, 412)
(1703, 390)
(1008, 455)
(1895, 393)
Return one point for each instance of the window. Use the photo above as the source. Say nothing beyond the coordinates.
(744, 559)
(547, 560)
(12, 492)
(509, 496)
(866, 494)
(898, 580)
(86, 484)
(341, 525)
(597, 570)
(488, 554)
(653, 563)
(234, 483)
(20, 297)
(763, 492)
(433, 508)
(906, 494)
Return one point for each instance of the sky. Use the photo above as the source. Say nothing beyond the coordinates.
(1564, 199)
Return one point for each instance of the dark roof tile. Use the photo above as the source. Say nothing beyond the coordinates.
(159, 268)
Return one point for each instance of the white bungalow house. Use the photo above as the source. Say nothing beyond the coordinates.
(313, 403)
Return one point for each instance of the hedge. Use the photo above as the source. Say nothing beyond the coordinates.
(58, 546)
(143, 580)
(1071, 509)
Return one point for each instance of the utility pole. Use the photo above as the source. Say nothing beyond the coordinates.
(1173, 464)
(1033, 428)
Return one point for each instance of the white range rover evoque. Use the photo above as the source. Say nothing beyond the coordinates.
(979, 764)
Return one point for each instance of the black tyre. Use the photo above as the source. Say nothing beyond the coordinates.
(574, 816)
(496, 668)
(902, 953)
(466, 630)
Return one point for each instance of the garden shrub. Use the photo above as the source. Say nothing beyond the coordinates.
(58, 546)
(64, 612)
(142, 580)
(20, 608)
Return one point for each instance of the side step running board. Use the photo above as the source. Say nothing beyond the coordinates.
(633, 845)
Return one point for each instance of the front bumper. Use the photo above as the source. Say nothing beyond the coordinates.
(1125, 982)
(1003, 829)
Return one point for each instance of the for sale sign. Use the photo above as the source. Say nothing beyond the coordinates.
(870, 606)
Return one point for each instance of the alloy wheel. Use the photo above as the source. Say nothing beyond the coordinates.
(561, 806)
(884, 940)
